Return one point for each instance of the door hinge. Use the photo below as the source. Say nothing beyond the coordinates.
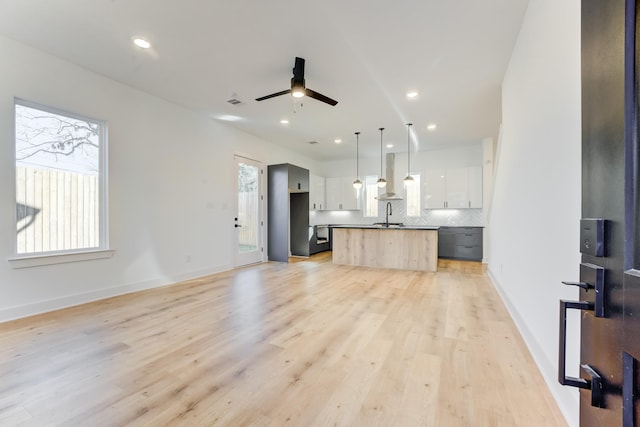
(261, 249)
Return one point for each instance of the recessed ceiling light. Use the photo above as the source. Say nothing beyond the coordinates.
(142, 43)
(284, 121)
(412, 94)
(337, 140)
(389, 145)
(432, 126)
(227, 118)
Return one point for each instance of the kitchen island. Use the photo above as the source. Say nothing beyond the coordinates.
(405, 247)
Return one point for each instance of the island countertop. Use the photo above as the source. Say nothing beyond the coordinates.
(384, 227)
(386, 247)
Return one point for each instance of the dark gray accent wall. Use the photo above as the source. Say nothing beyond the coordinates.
(287, 201)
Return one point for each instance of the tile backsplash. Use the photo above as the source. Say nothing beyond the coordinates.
(466, 217)
(437, 217)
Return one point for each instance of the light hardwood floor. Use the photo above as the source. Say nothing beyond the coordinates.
(307, 343)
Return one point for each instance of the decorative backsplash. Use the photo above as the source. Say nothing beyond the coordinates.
(466, 217)
(437, 217)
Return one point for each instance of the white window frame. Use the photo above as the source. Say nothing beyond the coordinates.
(367, 179)
(70, 255)
(416, 185)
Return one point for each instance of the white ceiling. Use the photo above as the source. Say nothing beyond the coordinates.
(366, 54)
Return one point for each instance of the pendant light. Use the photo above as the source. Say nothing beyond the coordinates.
(408, 180)
(357, 184)
(381, 181)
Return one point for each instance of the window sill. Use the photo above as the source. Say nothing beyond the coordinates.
(62, 258)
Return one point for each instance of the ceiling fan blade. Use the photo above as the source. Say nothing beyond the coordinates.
(273, 95)
(320, 97)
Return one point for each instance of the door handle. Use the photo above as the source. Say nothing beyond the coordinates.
(582, 285)
(596, 384)
(592, 277)
(237, 225)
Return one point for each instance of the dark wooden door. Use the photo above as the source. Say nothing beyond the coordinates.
(610, 326)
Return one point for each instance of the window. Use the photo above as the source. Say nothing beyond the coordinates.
(60, 181)
(412, 197)
(370, 194)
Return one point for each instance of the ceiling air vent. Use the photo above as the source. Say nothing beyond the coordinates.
(234, 101)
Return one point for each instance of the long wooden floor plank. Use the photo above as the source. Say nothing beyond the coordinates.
(307, 343)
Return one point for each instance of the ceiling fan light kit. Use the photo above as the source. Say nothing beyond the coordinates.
(298, 88)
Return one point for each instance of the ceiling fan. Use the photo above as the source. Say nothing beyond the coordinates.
(298, 89)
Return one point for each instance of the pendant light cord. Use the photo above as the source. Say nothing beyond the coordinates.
(357, 156)
(381, 129)
(409, 148)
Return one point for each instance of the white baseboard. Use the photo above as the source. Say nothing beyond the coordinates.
(568, 400)
(32, 309)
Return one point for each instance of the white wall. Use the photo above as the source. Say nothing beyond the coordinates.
(171, 185)
(534, 220)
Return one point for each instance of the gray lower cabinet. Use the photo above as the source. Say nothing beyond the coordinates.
(446, 242)
(460, 243)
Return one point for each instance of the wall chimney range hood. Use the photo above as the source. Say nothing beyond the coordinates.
(390, 194)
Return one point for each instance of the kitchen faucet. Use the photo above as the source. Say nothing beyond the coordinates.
(389, 211)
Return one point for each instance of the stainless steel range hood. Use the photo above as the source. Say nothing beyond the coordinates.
(390, 194)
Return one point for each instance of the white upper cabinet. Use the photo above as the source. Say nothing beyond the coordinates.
(435, 189)
(457, 188)
(340, 194)
(316, 193)
(453, 188)
(475, 187)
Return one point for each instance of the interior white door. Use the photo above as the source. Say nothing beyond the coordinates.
(248, 222)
